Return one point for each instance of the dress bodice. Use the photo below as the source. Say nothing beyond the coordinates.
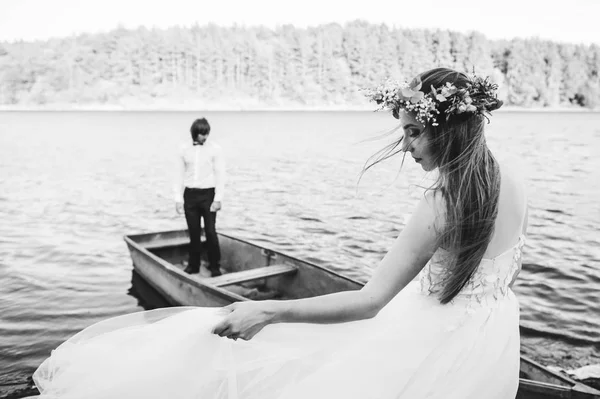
(491, 279)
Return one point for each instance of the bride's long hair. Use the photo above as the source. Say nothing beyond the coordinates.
(468, 180)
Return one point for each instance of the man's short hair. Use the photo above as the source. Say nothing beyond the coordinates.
(199, 127)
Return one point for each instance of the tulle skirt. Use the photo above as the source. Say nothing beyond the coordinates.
(414, 348)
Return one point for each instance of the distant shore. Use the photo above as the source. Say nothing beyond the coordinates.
(222, 107)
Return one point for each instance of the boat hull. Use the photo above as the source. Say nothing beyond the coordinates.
(155, 257)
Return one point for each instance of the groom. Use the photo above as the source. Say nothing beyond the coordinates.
(199, 192)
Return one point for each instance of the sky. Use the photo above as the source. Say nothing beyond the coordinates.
(573, 21)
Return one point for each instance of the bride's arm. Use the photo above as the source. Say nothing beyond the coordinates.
(408, 255)
(520, 261)
(410, 252)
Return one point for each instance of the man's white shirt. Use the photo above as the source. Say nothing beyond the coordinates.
(200, 166)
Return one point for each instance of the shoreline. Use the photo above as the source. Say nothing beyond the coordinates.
(247, 108)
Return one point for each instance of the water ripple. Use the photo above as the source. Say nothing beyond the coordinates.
(66, 204)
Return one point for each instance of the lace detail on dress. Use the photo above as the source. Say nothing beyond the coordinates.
(489, 283)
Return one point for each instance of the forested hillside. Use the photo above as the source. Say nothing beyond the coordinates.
(321, 66)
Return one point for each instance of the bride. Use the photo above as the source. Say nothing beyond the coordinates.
(438, 319)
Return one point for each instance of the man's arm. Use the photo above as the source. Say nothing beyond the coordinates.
(219, 171)
(178, 181)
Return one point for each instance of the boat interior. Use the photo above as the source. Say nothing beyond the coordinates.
(253, 274)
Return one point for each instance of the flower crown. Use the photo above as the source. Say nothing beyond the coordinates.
(478, 97)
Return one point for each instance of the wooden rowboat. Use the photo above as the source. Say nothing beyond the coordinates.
(252, 272)
(158, 258)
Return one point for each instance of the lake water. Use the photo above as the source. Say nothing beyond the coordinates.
(73, 183)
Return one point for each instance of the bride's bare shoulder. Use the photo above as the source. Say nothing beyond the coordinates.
(513, 190)
(513, 174)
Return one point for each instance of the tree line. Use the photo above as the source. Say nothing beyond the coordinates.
(317, 66)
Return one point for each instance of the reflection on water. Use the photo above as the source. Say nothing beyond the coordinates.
(148, 298)
(72, 184)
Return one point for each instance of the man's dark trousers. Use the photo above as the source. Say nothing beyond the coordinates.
(196, 203)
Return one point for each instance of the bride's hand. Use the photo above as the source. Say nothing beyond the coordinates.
(244, 321)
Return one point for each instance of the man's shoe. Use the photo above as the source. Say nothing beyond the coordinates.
(191, 270)
(215, 272)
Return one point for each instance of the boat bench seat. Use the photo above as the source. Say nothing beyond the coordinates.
(245, 276)
(170, 242)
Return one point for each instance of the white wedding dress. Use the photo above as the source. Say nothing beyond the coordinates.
(415, 348)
